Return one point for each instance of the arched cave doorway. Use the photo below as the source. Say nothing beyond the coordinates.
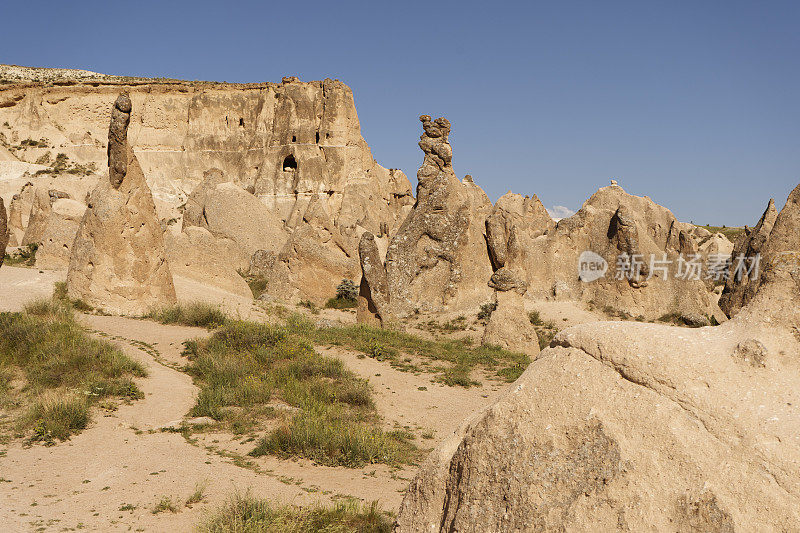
(289, 163)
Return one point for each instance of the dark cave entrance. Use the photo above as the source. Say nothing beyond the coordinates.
(289, 163)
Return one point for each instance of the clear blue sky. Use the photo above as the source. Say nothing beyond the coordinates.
(693, 103)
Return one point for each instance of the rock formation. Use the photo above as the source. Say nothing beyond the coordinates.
(19, 211)
(3, 231)
(609, 430)
(230, 212)
(374, 307)
(740, 289)
(509, 326)
(55, 245)
(627, 232)
(39, 215)
(438, 256)
(197, 254)
(285, 144)
(118, 261)
(777, 294)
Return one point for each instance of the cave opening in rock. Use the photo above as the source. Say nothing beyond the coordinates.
(289, 163)
(294, 138)
(241, 122)
(317, 137)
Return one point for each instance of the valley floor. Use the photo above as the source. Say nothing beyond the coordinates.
(112, 476)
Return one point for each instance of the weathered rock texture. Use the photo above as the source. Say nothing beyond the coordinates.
(777, 295)
(374, 307)
(509, 326)
(3, 231)
(739, 290)
(286, 144)
(55, 246)
(609, 431)
(438, 256)
(19, 211)
(39, 215)
(197, 254)
(230, 212)
(612, 223)
(634, 427)
(118, 261)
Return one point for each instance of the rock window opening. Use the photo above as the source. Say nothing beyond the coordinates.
(289, 164)
(317, 137)
(241, 122)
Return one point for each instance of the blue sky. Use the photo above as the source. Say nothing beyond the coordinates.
(693, 103)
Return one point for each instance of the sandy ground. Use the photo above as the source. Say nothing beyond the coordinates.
(109, 477)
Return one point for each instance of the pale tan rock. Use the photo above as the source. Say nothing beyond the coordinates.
(438, 257)
(609, 431)
(509, 326)
(527, 213)
(196, 254)
(230, 212)
(284, 143)
(37, 220)
(374, 307)
(118, 261)
(612, 223)
(62, 225)
(19, 211)
(777, 289)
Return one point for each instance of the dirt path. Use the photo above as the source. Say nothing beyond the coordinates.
(110, 476)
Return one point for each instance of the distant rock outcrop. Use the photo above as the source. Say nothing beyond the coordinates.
(438, 256)
(641, 243)
(118, 261)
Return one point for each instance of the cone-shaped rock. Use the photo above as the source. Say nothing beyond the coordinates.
(118, 261)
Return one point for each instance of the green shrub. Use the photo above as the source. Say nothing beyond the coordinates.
(486, 310)
(195, 314)
(346, 290)
(245, 514)
(389, 345)
(57, 416)
(25, 256)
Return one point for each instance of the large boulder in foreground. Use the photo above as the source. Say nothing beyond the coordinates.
(118, 261)
(627, 427)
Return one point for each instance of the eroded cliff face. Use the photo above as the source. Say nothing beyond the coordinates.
(286, 143)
